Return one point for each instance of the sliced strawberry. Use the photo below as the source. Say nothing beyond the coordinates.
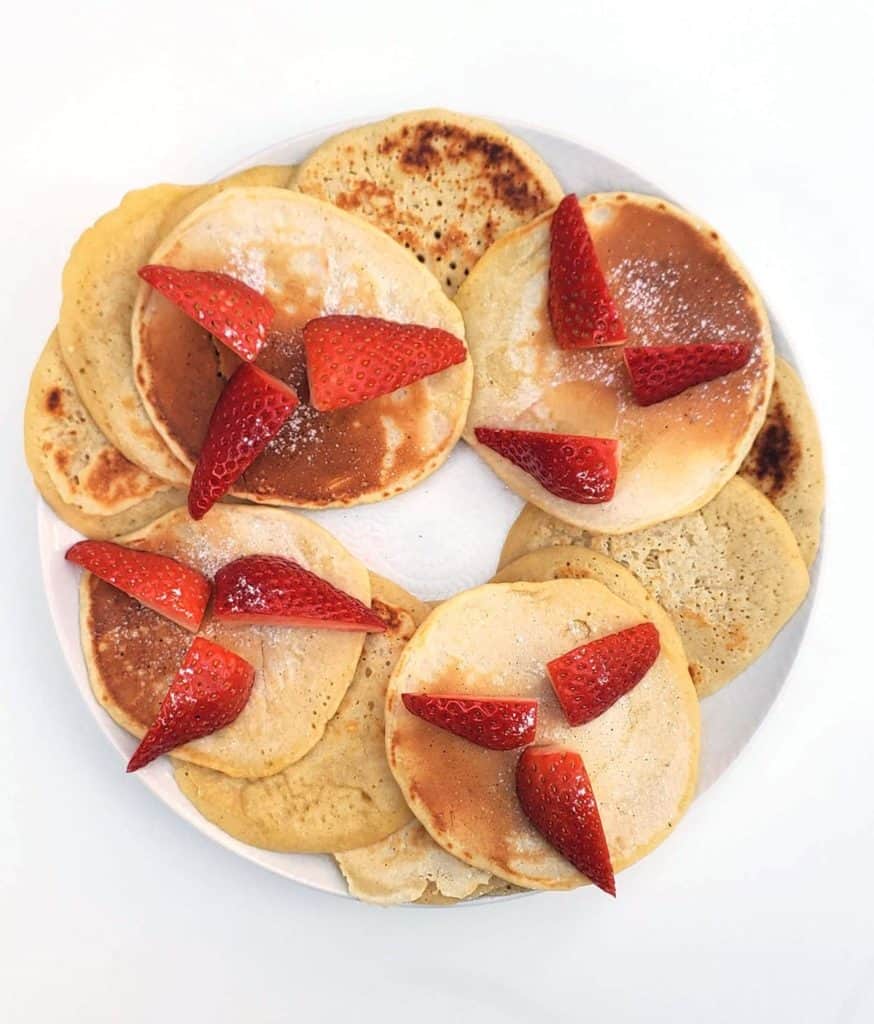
(351, 359)
(499, 723)
(590, 679)
(557, 797)
(576, 468)
(658, 372)
(269, 590)
(581, 310)
(168, 587)
(209, 691)
(229, 309)
(250, 411)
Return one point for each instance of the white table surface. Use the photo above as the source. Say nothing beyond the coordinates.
(759, 117)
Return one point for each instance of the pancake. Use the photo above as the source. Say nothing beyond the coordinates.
(309, 258)
(443, 185)
(274, 175)
(100, 285)
(641, 755)
(578, 563)
(785, 462)
(301, 675)
(409, 867)
(674, 281)
(730, 575)
(342, 794)
(86, 480)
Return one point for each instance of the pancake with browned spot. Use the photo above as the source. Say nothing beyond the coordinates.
(674, 281)
(444, 185)
(496, 640)
(342, 794)
(85, 479)
(785, 462)
(301, 675)
(310, 259)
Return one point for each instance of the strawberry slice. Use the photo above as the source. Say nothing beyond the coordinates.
(168, 587)
(658, 372)
(209, 691)
(499, 723)
(557, 797)
(229, 309)
(250, 411)
(590, 679)
(573, 467)
(581, 310)
(351, 359)
(268, 590)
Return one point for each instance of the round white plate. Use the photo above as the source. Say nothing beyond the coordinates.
(441, 537)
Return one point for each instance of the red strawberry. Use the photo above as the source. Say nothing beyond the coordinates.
(250, 411)
(351, 359)
(590, 679)
(229, 309)
(499, 723)
(581, 310)
(556, 795)
(658, 372)
(269, 590)
(166, 586)
(209, 691)
(576, 468)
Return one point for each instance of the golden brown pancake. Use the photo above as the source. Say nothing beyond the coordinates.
(785, 462)
(310, 259)
(495, 640)
(730, 575)
(674, 281)
(301, 675)
(443, 185)
(85, 479)
(341, 794)
(100, 285)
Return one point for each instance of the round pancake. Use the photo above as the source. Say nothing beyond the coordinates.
(342, 794)
(409, 867)
(66, 451)
(495, 640)
(674, 281)
(309, 258)
(274, 175)
(730, 575)
(301, 675)
(578, 563)
(100, 285)
(443, 185)
(785, 462)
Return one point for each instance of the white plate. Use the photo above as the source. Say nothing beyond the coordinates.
(441, 537)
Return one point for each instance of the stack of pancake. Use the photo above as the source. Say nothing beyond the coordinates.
(444, 220)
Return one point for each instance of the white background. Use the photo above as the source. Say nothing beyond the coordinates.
(756, 115)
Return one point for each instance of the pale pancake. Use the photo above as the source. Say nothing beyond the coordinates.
(730, 575)
(72, 462)
(443, 185)
(100, 285)
(277, 176)
(301, 675)
(409, 867)
(342, 794)
(309, 258)
(578, 563)
(785, 462)
(641, 755)
(674, 281)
